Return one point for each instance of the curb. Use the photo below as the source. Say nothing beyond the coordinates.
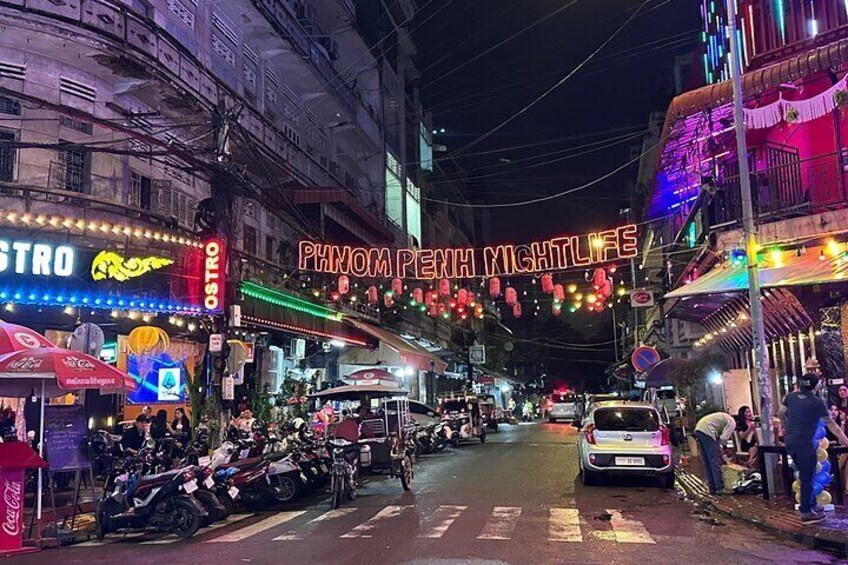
(779, 524)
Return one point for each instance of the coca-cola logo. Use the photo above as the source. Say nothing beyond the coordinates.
(73, 362)
(26, 364)
(12, 494)
(27, 340)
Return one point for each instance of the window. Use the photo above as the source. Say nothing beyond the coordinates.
(413, 211)
(425, 147)
(626, 420)
(140, 191)
(394, 191)
(8, 155)
(249, 242)
(270, 248)
(10, 106)
(74, 166)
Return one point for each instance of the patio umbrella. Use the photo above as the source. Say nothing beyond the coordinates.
(53, 372)
(371, 375)
(659, 374)
(18, 338)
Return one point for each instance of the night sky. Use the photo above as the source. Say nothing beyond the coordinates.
(611, 97)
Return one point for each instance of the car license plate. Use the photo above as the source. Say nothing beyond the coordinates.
(630, 461)
(209, 482)
(204, 461)
(190, 486)
(233, 492)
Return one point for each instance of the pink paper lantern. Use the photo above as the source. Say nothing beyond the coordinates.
(462, 296)
(547, 284)
(418, 295)
(444, 287)
(397, 286)
(372, 294)
(511, 296)
(494, 287)
(344, 284)
(559, 293)
(516, 310)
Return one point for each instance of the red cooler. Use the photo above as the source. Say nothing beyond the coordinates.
(15, 458)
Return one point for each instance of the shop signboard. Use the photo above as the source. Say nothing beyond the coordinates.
(477, 354)
(65, 435)
(216, 343)
(214, 264)
(251, 351)
(228, 391)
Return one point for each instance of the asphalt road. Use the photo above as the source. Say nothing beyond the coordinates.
(515, 499)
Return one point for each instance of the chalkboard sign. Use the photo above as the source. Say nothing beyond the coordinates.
(64, 438)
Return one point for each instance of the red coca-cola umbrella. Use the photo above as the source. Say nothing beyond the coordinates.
(371, 375)
(58, 370)
(18, 338)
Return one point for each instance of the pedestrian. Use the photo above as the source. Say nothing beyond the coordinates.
(712, 432)
(801, 412)
(842, 403)
(747, 428)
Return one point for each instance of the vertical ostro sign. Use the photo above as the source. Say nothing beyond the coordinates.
(214, 263)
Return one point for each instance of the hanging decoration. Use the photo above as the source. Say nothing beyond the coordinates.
(516, 310)
(798, 111)
(840, 98)
(470, 299)
(462, 296)
(434, 309)
(494, 287)
(388, 299)
(397, 286)
(559, 293)
(510, 296)
(418, 295)
(372, 294)
(598, 278)
(344, 284)
(547, 283)
(445, 287)
(556, 309)
(147, 340)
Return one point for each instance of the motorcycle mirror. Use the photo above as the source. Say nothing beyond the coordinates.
(150, 443)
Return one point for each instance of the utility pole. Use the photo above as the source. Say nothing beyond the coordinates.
(757, 329)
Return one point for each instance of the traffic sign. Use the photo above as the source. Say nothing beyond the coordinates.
(641, 298)
(644, 357)
(477, 354)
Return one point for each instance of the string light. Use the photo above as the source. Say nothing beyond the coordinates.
(48, 297)
(297, 329)
(288, 301)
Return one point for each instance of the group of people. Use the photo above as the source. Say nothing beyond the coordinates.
(800, 414)
(146, 426)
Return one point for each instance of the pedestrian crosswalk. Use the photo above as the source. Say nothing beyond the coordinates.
(498, 524)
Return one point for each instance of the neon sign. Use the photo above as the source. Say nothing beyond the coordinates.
(38, 259)
(213, 271)
(111, 265)
(555, 254)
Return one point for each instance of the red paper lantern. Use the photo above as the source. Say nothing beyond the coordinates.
(430, 296)
(516, 310)
(469, 299)
(547, 284)
(434, 310)
(494, 287)
(344, 284)
(397, 286)
(511, 296)
(418, 295)
(372, 294)
(606, 290)
(388, 299)
(599, 307)
(599, 277)
(444, 287)
(559, 293)
(462, 296)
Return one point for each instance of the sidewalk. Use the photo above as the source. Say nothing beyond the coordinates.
(776, 516)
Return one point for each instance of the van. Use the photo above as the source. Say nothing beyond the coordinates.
(565, 406)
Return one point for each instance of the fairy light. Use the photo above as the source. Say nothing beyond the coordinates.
(273, 324)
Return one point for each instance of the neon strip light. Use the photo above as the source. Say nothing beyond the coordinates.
(64, 223)
(297, 329)
(781, 19)
(751, 22)
(47, 297)
(288, 301)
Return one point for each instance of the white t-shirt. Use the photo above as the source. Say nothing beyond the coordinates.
(719, 426)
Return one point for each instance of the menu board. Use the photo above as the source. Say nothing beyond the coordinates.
(64, 438)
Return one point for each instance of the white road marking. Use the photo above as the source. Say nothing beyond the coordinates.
(365, 529)
(439, 521)
(257, 528)
(292, 535)
(627, 530)
(171, 538)
(502, 523)
(564, 525)
(113, 539)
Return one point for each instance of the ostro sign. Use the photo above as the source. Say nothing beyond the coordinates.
(38, 259)
(213, 274)
(459, 263)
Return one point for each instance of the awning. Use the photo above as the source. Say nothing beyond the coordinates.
(815, 266)
(412, 355)
(344, 198)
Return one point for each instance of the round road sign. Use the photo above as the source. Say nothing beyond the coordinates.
(644, 357)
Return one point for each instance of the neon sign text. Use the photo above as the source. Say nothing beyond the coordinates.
(457, 263)
(213, 274)
(39, 259)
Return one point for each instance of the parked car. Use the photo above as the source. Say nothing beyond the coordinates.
(624, 438)
(565, 406)
(422, 414)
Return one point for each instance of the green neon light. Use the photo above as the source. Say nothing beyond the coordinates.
(288, 301)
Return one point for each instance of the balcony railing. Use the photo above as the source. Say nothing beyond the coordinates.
(788, 187)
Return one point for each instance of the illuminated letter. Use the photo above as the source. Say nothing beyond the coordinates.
(359, 262)
(543, 256)
(561, 249)
(522, 259)
(496, 260)
(627, 242)
(580, 260)
(339, 259)
(463, 264)
(4, 255)
(41, 254)
(21, 249)
(609, 243)
(405, 258)
(63, 261)
(380, 263)
(444, 263)
(426, 261)
(306, 252)
(323, 255)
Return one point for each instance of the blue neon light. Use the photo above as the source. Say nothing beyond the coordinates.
(46, 297)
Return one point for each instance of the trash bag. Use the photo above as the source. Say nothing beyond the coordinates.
(749, 483)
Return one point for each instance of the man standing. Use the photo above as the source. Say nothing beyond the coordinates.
(801, 413)
(712, 432)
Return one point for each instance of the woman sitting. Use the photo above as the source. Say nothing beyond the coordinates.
(746, 427)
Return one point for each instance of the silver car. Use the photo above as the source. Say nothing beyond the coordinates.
(565, 406)
(624, 438)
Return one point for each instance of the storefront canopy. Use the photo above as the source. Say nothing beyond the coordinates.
(412, 355)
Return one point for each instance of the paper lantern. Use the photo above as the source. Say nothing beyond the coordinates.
(444, 287)
(397, 286)
(572, 288)
(606, 289)
(344, 284)
(547, 284)
(430, 297)
(599, 307)
(469, 299)
(147, 340)
(418, 295)
(462, 296)
(372, 294)
(516, 310)
(388, 299)
(434, 310)
(510, 296)
(598, 278)
(494, 287)
(559, 293)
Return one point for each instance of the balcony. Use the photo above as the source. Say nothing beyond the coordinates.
(787, 187)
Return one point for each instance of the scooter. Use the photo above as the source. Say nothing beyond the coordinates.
(162, 501)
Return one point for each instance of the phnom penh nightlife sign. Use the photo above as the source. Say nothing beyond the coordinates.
(555, 254)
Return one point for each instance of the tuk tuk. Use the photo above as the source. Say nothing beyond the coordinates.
(463, 413)
(488, 411)
(385, 435)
